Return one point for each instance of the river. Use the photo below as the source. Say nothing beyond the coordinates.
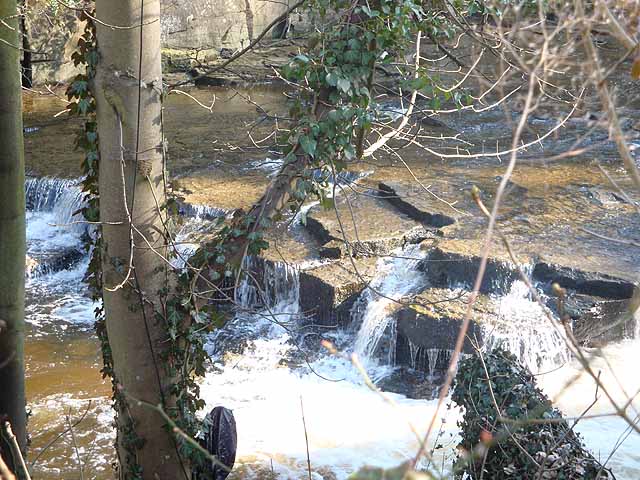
(265, 381)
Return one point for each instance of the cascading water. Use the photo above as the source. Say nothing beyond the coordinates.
(267, 284)
(397, 277)
(61, 353)
(43, 193)
(56, 293)
(524, 329)
(267, 378)
(52, 219)
(348, 425)
(195, 219)
(201, 212)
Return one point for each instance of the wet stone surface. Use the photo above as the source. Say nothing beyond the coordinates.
(328, 292)
(549, 209)
(363, 225)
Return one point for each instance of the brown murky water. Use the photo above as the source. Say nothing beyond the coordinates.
(70, 420)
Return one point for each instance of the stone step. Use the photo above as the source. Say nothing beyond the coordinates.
(363, 225)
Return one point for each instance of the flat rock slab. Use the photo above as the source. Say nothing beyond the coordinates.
(561, 220)
(369, 224)
(327, 292)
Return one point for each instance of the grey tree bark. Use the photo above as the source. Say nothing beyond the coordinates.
(12, 227)
(128, 97)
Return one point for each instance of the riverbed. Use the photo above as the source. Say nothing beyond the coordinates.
(278, 373)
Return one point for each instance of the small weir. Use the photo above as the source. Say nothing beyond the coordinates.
(266, 362)
(397, 278)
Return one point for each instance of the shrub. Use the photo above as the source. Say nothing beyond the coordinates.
(511, 430)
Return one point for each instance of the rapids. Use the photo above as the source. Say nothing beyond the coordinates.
(274, 378)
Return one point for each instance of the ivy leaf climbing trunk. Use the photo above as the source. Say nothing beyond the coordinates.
(12, 227)
(127, 90)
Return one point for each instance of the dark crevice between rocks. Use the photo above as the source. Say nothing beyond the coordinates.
(437, 220)
(587, 283)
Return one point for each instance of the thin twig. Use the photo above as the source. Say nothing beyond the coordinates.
(75, 444)
(15, 450)
(306, 438)
(60, 435)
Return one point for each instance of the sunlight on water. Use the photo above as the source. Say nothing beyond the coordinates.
(348, 424)
(574, 391)
(266, 380)
(523, 329)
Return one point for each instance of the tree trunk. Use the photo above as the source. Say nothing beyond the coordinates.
(131, 188)
(27, 66)
(12, 227)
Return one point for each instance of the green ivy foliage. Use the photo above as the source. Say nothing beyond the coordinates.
(402, 472)
(534, 435)
(498, 8)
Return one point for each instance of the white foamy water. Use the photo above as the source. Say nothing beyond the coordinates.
(348, 424)
(56, 293)
(396, 277)
(93, 436)
(573, 390)
(44, 237)
(524, 329)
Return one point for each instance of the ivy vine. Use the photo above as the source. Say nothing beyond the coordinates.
(82, 103)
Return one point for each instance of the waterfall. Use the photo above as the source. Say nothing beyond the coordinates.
(520, 325)
(197, 218)
(429, 357)
(397, 277)
(267, 302)
(62, 198)
(56, 295)
(201, 211)
(43, 193)
(523, 328)
(267, 284)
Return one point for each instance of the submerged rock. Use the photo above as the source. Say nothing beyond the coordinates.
(53, 262)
